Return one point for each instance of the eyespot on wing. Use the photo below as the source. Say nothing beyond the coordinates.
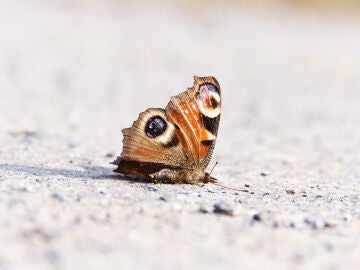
(208, 99)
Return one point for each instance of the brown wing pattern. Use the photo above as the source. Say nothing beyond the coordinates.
(137, 146)
(184, 111)
(180, 137)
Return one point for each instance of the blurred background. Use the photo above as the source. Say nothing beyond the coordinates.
(74, 73)
(94, 65)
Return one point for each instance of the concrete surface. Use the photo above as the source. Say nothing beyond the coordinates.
(72, 76)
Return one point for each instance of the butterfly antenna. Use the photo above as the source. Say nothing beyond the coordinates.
(213, 168)
(219, 185)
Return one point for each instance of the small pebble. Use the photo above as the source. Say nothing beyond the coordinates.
(205, 209)
(257, 217)
(58, 197)
(290, 191)
(292, 224)
(152, 188)
(22, 133)
(224, 208)
(315, 224)
(328, 225)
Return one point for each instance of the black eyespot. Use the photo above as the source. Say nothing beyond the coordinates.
(155, 126)
(213, 103)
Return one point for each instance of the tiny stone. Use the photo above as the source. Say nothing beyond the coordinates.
(152, 188)
(204, 209)
(313, 223)
(292, 225)
(328, 225)
(109, 155)
(257, 217)
(24, 133)
(57, 197)
(224, 208)
(290, 191)
(247, 185)
(263, 173)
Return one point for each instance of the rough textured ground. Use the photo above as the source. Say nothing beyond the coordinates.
(72, 76)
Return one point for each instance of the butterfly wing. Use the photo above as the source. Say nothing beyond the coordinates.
(149, 145)
(180, 137)
(196, 115)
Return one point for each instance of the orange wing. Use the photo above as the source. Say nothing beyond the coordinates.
(196, 115)
(180, 137)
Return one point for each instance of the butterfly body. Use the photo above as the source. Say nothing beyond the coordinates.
(175, 144)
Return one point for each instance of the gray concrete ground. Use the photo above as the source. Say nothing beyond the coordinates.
(72, 76)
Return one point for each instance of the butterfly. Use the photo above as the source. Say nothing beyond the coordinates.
(175, 144)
